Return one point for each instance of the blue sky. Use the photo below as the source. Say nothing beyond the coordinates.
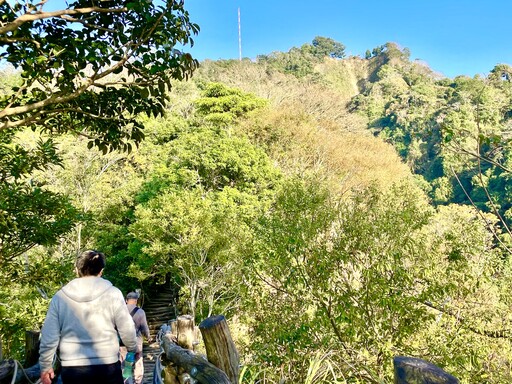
(454, 37)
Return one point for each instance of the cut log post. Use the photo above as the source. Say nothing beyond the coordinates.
(197, 338)
(410, 370)
(174, 328)
(186, 336)
(169, 375)
(219, 345)
(200, 369)
(31, 348)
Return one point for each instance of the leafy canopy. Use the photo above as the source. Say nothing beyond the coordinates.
(89, 69)
(92, 67)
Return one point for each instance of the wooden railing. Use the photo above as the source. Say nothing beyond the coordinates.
(179, 358)
(178, 341)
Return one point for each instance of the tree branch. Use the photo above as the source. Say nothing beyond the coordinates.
(30, 17)
(480, 157)
(499, 334)
(9, 40)
(86, 24)
(480, 213)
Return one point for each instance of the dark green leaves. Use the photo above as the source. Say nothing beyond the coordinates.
(74, 61)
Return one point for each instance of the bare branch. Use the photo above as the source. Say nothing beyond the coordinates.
(9, 40)
(78, 110)
(30, 17)
(498, 334)
(480, 213)
(38, 105)
(480, 157)
(86, 24)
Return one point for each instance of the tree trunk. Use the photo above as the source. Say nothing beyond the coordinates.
(219, 345)
(197, 367)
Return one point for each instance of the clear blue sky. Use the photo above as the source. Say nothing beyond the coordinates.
(454, 37)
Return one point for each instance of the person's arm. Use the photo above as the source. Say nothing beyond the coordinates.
(50, 338)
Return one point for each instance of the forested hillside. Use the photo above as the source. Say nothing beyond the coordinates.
(339, 211)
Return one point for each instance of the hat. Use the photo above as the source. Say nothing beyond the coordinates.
(132, 295)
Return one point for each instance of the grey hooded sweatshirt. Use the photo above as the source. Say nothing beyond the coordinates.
(81, 322)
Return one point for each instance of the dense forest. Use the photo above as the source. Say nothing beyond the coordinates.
(339, 211)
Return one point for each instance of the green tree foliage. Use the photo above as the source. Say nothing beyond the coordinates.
(474, 314)
(324, 46)
(452, 132)
(89, 69)
(29, 214)
(223, 105)
(196, 210)
(26, 286)
(86, 181)
(372, 277)
(324, 278)
(296, 61)
(300, 62)
(68, 59)
(203, 188)
(339, 275)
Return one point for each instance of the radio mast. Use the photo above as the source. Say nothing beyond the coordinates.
(239, 37)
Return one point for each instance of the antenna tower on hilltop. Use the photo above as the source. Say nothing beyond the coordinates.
(239, 37)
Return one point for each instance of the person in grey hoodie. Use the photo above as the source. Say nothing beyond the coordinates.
(83, 322)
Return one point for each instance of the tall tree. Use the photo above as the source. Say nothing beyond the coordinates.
(324, 46)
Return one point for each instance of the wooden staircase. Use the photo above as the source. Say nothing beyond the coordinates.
(159, 307)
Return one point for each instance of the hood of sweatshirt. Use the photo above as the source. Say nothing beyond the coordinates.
(86, 288)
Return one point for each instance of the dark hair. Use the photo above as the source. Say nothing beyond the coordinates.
(90, 263)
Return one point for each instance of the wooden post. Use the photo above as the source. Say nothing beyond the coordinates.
(410, 370)
(1, 352)
(219, 345)
(170, 375)
(31, 348)
(174, 328)
(186, 336)
(197, 338)
(200, 369)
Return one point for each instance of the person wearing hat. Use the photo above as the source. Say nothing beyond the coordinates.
(142, 329)
(83, 325)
